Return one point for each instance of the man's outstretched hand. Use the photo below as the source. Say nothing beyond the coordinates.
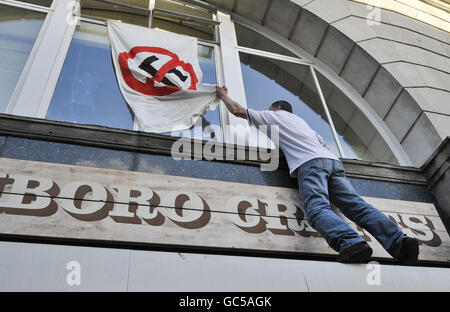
(221, 92)
(234, 107)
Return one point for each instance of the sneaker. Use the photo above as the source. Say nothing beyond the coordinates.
(357, 253)
(409, 251)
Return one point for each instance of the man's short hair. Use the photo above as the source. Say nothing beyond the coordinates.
(283, 105)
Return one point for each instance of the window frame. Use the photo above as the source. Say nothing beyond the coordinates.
(30, 5)
(293, 60)
(19, 88)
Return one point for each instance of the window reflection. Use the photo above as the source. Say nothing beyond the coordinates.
(164, 20)
(113, 12)
(175, 24)
(251, 39)
(183, 7)
(87, 90)
(267, 81)
(359, 138)
(46, 3)
(19, 29)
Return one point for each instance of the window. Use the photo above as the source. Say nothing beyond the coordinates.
(268, 80)
(359, 138)
(250, 39)
(45, 3)
(273, 76)
(80, 84)
(87, 91)
(176, 6)
(127, 11)
(183, 18)
(19, 29)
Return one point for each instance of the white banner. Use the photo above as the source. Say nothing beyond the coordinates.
(159, 76)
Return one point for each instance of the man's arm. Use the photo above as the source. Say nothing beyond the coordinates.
(235, 108)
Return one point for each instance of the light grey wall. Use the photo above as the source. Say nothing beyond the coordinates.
(38, 267)
(401, 67)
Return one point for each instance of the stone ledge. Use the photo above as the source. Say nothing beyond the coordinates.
(117, 139)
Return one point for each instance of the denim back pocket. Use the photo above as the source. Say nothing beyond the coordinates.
(316, 163)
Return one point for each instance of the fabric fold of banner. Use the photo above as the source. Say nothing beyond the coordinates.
(160, 77)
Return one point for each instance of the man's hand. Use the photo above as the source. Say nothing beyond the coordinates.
(221, 92)
(234, 107)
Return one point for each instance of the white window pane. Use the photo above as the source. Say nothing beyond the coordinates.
(19, 29)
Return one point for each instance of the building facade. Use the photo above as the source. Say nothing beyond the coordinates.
(84, 190)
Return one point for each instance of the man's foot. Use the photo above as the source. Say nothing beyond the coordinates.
(409, 251)
(357, 253)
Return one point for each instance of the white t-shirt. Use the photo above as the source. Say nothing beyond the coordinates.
(297, 140)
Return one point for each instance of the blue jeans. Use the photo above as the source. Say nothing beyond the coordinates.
(322, 180)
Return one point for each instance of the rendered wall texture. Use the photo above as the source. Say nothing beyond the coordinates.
(398, 64)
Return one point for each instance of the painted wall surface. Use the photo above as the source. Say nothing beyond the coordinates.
(37, 267)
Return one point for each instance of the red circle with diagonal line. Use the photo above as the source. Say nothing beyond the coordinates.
(149, 88)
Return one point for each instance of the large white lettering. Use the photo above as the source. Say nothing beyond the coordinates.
(26, 195)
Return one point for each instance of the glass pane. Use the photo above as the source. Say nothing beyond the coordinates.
(87, 90)
(46, 3)
(359, 138)
(175, 24)
(19, 29)
(251, 39)
(211, 118)
(182, 7)
(118, 13)
(267, 81)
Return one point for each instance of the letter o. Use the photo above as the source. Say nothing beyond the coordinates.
(94, 205)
